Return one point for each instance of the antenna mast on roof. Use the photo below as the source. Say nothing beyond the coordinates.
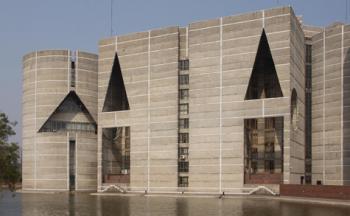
(111, 21)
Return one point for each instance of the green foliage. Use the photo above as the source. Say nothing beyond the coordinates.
(9, 154)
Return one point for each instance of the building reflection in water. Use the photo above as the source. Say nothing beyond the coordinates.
(85, 204)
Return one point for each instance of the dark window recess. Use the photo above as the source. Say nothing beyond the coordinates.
(183, 137)
(308, 114)
(55, 126)
(72, 165)
(294, 110)
(116, 97)
(263, 150)
(263, 82)
(72, 74)
(184, 64)
(184, 79)
(183, 109)
(183, 166)
(116, 155)
(184, 94)
(183, 151)
(70, 106)
(183, 181)
(183, 123)
(183, 154)
(308, 55)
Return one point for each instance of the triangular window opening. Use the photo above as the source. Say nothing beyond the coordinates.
(263, 82)
(70, 115)
(116, 97)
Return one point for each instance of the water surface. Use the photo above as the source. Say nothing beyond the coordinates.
(85, 204)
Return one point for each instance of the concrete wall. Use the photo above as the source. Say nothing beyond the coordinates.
(222, 53)
(296, 150)
(346, 105)
(149, 65)
(86, 80)
(45, 155)
(330, 106)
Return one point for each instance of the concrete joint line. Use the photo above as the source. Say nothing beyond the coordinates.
(220, 137)
(35, 111)
(76, 70)
(187, 43)
(324, 111)
(263, 18)
(263, 108)
(148, 110)
(342, 106)
(68, 70)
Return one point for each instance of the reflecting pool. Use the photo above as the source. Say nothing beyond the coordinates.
(30, 204)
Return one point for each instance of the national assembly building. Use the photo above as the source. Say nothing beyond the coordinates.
(219, 106)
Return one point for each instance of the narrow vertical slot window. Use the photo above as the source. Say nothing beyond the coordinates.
(72, 74)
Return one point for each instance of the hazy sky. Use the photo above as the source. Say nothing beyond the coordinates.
(29, 25)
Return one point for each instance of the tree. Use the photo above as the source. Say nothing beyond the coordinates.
(9, 154)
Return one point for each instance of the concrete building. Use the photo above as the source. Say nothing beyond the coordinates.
(218, 106)
(59, 120)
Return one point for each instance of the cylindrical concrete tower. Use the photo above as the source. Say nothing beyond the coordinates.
(59, 120)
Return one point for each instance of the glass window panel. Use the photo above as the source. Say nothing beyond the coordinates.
(183, 123)
(184, 79)
(263, 141)
(183, 109)
(184, 94)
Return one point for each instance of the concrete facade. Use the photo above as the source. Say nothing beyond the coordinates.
(46, 82)
(330, 71)
(221, 53)
(185, 90)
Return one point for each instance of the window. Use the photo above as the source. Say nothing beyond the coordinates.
(183, 123)
(308, 53)
(270, 123)
(263, 153)
(263, 81)
(55, 125)
(183, 94)
(116, 98)
(183, 137)
(72, 74)
(183, 109)
(184, 64)
(183, 181)
(183, 154)
(294, 109)
(116, 155)
(183, 151)
(183, 79)
(183, 166)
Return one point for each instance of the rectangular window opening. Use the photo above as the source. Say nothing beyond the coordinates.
(72, 74)
(183, 123)
(72, 165)
(116, 155)
(183, 166)
(183, 181)
(184, 94)
(263, 150)
(183, 109)
(184, 64)
(184, 79)
(183, 137)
